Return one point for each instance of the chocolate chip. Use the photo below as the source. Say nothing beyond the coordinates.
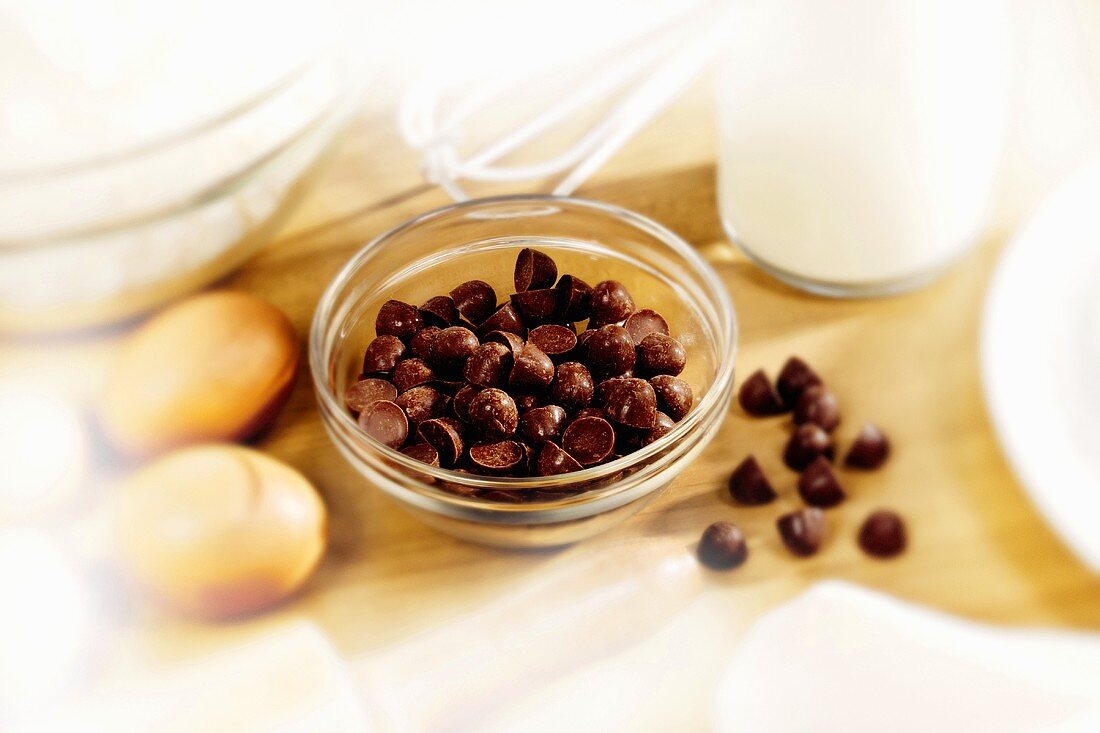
(722, 546)
(573, 387)
(447, 386)
(610, 351)
(423, 403)
(421, 344)
(554, 340)
(475, 300)
(554, 461)
(644, 322)
(534, 270)
(542, 423)
(385, 421)
(383, 354)
(794, 378)
(509, 339)
(411, 373)
(536, 306)
(532, 369)
(489, 365)
(674, 396)
(661, 354)
(883, 534)
(498, 457)
(749, 485)
(589, 440)
(803, 531)
(870, 449)
(525, 402)
(460, 406)
(807, 442)
(611, 303)
(818, 405)
(398, 319)
(586, 412)
(445, 435)
(452, 347)
(506, 319)
(574, 298)
(662, 426)
(758, 396)
(423, 452)
(631, 402)
(439, 311)
(819, 486)
(366, 391)
(494, 414)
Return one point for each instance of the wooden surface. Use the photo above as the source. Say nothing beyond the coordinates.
(911, 364)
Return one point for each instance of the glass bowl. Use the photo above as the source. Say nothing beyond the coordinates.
(108, 238)
(436, 251)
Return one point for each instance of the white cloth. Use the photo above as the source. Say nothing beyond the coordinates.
(841, 657)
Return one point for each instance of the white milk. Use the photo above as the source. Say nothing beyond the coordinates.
(860, 139)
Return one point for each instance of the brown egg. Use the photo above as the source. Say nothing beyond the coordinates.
(218, 531)
(215, 367)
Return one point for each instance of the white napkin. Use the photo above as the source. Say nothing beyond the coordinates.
(841, 657)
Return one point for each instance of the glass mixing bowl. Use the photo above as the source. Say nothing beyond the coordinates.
(436, 251)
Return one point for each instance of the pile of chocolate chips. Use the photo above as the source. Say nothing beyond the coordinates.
(810, 451)
(513, 388)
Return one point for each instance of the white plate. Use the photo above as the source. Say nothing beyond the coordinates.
(1041, 360)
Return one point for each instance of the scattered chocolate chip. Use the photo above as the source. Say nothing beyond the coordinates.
(366, 391)
(883, 534)
(534, 270)
(662, 426)
(475, 300)
(553, 461)
(536, 306)
(445, 435)
(631, 402)
(423, 452)
(532, 369)
(383, 354)
(525, 402)
(509, 339)
(554, 340)
(722, 546)
(453, 346)
(758, 396)
(423, 403)
(818, 405)
(574, 298)
(494, 414)
(674, 396)
(499, 457)
(644, 322)
(489, 365)
(795, 377)
(661, 354)
(439, 311)
(460, 406)
(411, 373)
(870, 449)
(819, 486)
(421, 344)
(506, 319)
(610, 351)
(385, 421)
(611, 303)
(586, 412)
(749, 485)
(807, 443)
(573, 387)
(447, 386)
(589, 440)
(803, 531)
(542, 423)
(398, 319)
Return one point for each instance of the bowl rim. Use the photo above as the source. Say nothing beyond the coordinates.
(723, 375)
